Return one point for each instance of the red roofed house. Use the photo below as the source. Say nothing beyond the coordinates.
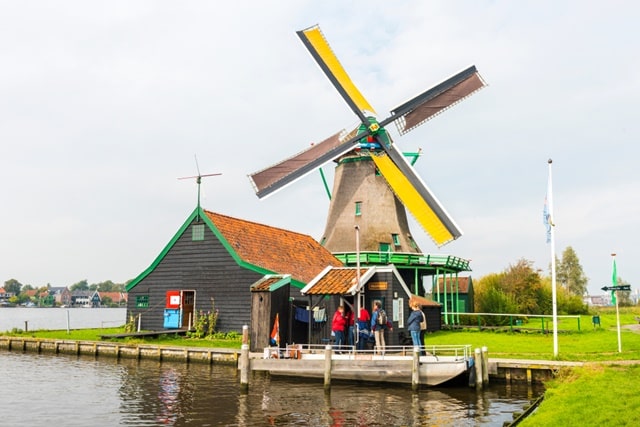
(115, 298)
(339, 286)
(213, 260)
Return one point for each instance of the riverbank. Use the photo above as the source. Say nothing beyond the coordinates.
(596, 394)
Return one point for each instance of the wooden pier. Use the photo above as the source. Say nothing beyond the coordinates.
(524, 370)
(402, 365)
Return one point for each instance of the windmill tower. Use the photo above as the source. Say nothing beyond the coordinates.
(362, 197)
(374, 183)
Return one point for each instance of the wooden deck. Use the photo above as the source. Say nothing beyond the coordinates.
(396, 366)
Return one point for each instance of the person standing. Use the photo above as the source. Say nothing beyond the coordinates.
(351, 329)
(413, 324)
(338, 325)
(379, 323)
(363, 328)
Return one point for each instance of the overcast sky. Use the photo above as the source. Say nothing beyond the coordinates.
(103, 105)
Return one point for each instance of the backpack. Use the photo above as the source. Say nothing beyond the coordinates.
(382, 317)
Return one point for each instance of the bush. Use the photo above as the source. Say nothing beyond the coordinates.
(205, 325)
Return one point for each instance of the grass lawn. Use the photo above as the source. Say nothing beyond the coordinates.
(95, 335)
(578, 341)
(593, 395)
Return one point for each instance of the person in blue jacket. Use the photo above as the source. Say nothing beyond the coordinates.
(413, 324)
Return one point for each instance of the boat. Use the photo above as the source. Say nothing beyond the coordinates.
(440, 364)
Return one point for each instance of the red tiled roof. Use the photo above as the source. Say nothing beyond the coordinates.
(115, 296)
(265, 283)
(274, 249)
(463, 284)
(422, 301)
(337, 281)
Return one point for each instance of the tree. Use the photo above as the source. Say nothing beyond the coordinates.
(13, 286)
(80, 286)
(107, 286)
(525, 286)
(570, 273)
(624, 297)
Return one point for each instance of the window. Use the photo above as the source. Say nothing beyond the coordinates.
(358, 208)
(142, 301)
(197, 232)
(396, 239)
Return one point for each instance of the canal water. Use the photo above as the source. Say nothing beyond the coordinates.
(60, 318)
(67, 390)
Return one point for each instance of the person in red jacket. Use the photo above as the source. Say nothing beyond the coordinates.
(338, 326)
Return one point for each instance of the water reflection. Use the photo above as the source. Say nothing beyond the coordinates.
(69, 390)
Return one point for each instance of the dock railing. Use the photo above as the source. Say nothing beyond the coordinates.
(509, 321)
(298, 351)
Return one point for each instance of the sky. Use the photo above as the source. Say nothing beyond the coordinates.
(103, 105)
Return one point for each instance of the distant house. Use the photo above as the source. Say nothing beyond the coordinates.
(597, 300)
(116, 298)
(211, 263)
(339, 286)
(61, 295)
(455, 294)
(4, 295)
(85, 299)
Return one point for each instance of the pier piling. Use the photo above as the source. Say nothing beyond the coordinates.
(478, 366)
(485, 366)
(327, 367)
(243, 362)
(415, 370)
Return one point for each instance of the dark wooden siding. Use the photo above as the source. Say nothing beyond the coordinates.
(207, 268)
(265, 305)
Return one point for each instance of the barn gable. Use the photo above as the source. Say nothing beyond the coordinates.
(211, 263)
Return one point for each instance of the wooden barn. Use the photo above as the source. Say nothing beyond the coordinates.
(456, 295)
(211, 263)
(339, 286)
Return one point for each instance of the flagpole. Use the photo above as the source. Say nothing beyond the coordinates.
(356, 315)
(554, 301)
(615, 296)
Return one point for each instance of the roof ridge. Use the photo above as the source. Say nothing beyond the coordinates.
(208, 212)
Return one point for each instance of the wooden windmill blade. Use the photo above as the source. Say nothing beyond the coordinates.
(436, 100)
(274, 178)
(416, 197)
(372, 140)
(319, 48)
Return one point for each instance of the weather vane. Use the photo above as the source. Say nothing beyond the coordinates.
(199, 177)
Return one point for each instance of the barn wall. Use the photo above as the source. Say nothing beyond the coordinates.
(206, 267)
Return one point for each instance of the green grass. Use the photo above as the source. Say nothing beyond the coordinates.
(593, 395)
(583, 343)
(95, 335)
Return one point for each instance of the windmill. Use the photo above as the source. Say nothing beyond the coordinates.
(373, 181)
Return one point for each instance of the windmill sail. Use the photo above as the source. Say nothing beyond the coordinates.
(373, 143)
(416, 197)
(434, 101)
(275, 177)
(315, 41)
